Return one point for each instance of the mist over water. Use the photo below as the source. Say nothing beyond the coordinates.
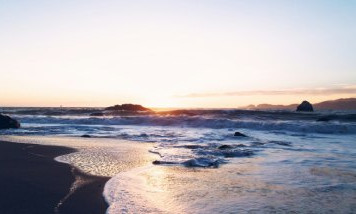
(289, 162)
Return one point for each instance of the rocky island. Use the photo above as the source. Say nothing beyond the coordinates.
(305, 106)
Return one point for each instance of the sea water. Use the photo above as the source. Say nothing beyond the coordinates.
(289, 162)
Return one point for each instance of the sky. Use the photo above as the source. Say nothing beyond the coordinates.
(186, 53)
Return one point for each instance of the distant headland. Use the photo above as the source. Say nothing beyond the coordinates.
(339, 104)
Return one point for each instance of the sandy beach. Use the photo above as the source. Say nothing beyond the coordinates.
(63, 174)
(117, 176)
(31, 181)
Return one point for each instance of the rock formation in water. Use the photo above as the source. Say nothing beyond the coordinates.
(7, 122)
(128, 107)
(305, 106)
(239, 134)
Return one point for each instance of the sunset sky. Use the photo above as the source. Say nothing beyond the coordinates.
(182, 53)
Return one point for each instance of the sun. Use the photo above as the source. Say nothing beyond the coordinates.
(161, 103)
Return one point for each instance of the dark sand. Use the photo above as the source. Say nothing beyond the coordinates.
(31, 181)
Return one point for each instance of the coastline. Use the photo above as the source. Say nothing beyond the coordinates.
(273, 180)
(34, 182)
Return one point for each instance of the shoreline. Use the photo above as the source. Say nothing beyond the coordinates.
(271, 181)
(34, 182)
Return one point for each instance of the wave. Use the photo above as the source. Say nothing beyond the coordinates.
(305, 126)
(219, 113)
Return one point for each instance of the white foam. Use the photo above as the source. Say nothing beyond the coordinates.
(131, 192)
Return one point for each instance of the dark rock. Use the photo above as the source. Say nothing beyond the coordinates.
(127, 107)
(305, 106)
(193, 146)
(222, 147)
(97, 114)
(158, 162)
(282, 143)
(239, 134)
(86, 136)
(7, 122)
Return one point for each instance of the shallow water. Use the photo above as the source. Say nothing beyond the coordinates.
(102, 157)
(289, 162)
(304, 178)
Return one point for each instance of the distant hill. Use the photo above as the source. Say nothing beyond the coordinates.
(270, 106)
(339, 104)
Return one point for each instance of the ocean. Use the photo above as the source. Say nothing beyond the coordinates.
(286, 162)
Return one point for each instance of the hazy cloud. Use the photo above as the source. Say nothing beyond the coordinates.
(317, 91)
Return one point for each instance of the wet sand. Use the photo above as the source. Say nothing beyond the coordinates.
(31, 181)
(258, 184)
